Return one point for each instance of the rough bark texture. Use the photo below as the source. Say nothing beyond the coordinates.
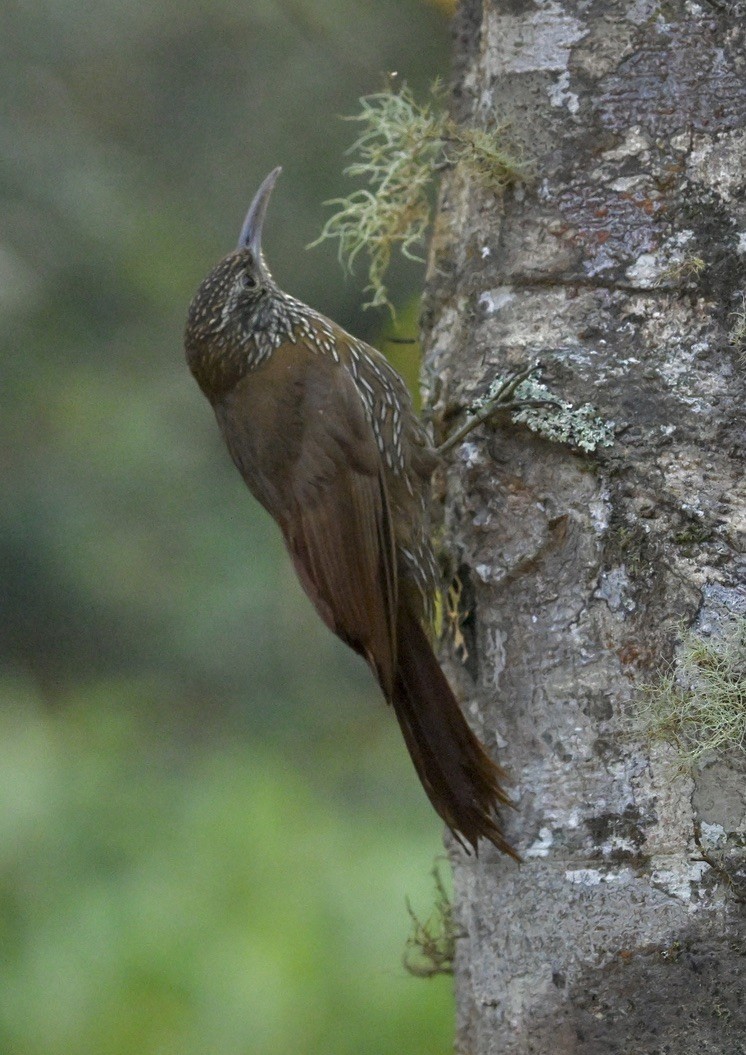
(613, 935)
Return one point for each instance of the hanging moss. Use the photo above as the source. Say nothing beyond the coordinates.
(403, 147)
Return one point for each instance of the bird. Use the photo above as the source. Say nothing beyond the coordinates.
(322, 430)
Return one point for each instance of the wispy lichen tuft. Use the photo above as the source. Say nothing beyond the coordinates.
(700, 702)
(404, 144)
(687, 268)
(556, 419)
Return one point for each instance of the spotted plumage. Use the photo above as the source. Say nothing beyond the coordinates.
(322, 429)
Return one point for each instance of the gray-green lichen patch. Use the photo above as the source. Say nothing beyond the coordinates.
(559, 420)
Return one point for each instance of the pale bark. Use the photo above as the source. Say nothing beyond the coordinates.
(612, 936)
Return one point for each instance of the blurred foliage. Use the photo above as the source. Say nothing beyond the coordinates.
(201, 901)
(177, 873)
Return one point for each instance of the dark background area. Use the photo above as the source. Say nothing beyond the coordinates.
(208, 823)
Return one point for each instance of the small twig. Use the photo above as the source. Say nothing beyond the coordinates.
(431, 945)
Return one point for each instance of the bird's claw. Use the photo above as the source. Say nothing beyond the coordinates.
(499, 399)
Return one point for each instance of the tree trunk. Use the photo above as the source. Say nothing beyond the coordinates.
(619, 266)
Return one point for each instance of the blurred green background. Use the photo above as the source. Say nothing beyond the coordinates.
(208, 823)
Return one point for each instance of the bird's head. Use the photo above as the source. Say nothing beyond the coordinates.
(224, 311)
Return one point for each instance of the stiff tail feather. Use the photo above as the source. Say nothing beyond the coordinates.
(461, 781)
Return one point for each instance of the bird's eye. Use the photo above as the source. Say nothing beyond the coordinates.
(248, 281)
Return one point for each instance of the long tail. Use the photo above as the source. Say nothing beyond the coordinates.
(461, 781)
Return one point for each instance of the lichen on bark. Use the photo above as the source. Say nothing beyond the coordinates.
(617, 932)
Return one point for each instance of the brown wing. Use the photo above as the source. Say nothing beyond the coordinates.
(408, 461)
(312, 460)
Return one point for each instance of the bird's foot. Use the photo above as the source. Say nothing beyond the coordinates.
(498, 398)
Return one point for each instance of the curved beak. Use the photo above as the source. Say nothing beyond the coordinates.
(251, 232)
